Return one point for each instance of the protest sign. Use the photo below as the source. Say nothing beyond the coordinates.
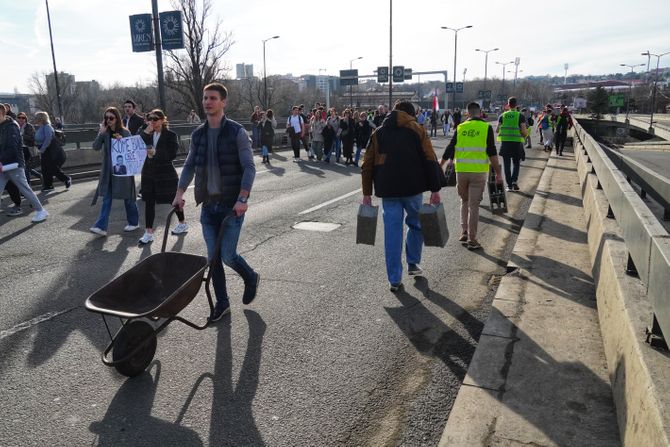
(128, 155)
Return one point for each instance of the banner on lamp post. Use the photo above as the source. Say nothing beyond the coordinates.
(172, 31)
(141, 33)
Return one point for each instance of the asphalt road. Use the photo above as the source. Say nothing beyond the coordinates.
(326, 355)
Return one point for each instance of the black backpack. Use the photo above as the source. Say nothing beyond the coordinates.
(59, 136)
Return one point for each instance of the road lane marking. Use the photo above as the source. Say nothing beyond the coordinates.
(336, 199)
(30, 323)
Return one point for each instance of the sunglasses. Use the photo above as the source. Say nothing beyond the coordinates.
(153, 118)
(110, 118)
(21, 117)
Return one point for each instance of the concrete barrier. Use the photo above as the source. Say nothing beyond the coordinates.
(638, 373)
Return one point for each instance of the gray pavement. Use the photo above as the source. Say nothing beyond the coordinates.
(325, 356)
(539, 376)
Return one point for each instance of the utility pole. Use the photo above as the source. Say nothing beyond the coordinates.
(159, 54)
(455, 30)
(390, 55)
(653, 94)
(53, 58)
(630, 89)
(565, 76)
(486, 67)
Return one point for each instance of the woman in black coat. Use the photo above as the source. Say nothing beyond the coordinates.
(159, 177)
(363, 132)
(348, 126)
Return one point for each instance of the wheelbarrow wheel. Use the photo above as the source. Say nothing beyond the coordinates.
(133, 334)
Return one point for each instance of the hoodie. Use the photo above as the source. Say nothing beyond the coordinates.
(397, 160)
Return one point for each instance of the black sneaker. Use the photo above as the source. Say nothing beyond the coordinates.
(218, 312)
(250, 289)
(515, 187)
(68, 183)
(474, 245)
(414, 270)
(395, 287)
(48, 189)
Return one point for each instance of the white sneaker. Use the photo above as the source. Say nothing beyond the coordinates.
(130, 227)
(147, 238)
(40, 216)
(98, 231)
(180, 228)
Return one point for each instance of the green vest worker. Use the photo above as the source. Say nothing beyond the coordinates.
(512, 134)
(472, 150)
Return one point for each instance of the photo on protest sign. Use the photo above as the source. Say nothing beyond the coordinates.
(128, 155)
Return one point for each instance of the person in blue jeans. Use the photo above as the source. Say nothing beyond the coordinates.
(111, 186)
(221, 161)
(395, 163)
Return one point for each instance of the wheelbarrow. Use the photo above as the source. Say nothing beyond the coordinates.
(158, 287)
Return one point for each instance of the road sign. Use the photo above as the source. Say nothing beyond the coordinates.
(398, 73)
(141, 33)
(172, 31)
(500, 97)
(484, 94)
(349, 77)
(450, 87)
(459, 87)
(617, 100)
(408, 74)
(382, 74)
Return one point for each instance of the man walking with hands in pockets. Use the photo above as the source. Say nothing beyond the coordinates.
(395, 162)
(221, 160)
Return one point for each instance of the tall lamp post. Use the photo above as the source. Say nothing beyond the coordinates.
(53, 57)
(351, 95)
(265, 76)
(653, 94)
(486, 65)
(504, 65)
(455, 30)
(630, 87)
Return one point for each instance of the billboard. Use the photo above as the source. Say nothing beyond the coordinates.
(172, 31)
(141, 33)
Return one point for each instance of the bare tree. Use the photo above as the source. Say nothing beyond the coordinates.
(202, 62)
(44, 88)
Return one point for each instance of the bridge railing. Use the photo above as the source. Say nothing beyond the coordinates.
(646, 239)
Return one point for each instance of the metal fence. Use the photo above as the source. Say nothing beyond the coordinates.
(646, 239)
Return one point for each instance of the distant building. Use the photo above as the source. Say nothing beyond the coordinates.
(66, 83)
(244, 71)
(19, 102)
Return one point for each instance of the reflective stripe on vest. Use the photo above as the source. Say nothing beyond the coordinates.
(509, 128)
(471, 142)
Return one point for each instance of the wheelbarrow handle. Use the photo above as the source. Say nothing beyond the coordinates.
(167, 228)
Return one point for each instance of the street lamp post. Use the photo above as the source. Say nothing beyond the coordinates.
(351, 95)
(265, 76)
(53, 57)
(504, 64)
(486, 65)
(630, 88)
(653, 94)
(455, 30)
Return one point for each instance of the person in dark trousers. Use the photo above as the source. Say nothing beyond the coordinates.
(395, 163)
(159, 177)
(52, 155)
(563, 124)
(456, 117)
(512, 134)
(348, 127)
(433, 123)
(295, 126)
(267, 132)
(222, 162)
(131, 120)
(362, 135)
(529, 126)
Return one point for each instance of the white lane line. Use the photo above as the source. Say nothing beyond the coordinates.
(30, 323)
(336, 199)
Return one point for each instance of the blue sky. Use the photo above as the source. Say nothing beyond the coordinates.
(92, 37)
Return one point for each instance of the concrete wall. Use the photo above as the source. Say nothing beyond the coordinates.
(639, 374)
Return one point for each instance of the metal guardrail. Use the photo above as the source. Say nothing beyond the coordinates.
(647, 241)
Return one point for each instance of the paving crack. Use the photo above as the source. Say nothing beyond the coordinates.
(34, 322)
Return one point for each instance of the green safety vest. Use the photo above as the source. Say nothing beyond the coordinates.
(471, 147)
(509, 128)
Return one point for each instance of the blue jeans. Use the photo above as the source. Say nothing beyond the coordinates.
(358, 154)
(338, 148)
(265, 152)
(132, 214)
(394, 212)
(211, 217)
(255, 136)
